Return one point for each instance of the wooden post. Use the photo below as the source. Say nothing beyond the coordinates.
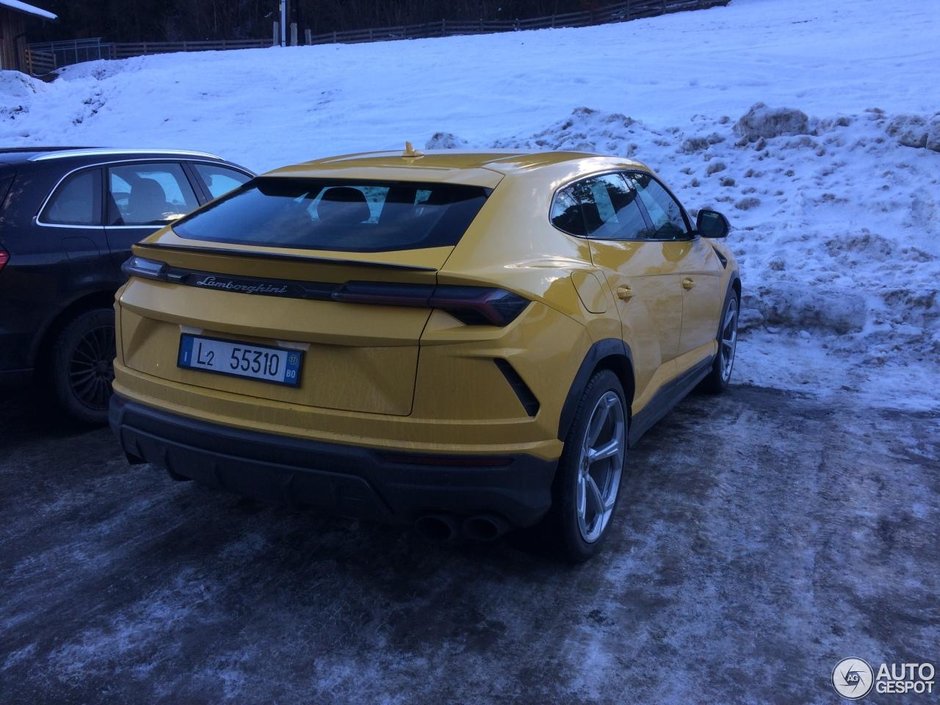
(293, 34)
(308, 36)
(277, 33)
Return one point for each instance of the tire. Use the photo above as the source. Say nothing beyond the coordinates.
(585, 489)
(83, 366)
(719, 377)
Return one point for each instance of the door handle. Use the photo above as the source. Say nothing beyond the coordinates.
(687, 283)
(624, 292)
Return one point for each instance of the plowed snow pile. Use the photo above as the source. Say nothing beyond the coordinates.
(814, 126)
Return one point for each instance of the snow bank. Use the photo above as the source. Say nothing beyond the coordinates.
(760, 122)
(836, 225)
(16, 94)
(916, 131)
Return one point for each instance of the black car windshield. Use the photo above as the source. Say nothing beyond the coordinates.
(364, 216)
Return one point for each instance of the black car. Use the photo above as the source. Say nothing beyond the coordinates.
(68, 218)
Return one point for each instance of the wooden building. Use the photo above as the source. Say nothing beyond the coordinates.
(16, 18)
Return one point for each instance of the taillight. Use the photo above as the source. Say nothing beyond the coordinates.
(4, 258)
(473, 305)
(146, 268)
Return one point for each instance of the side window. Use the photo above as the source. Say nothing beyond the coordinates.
(669, 222)
(77, 201)
(219, 179)
(601, 207)
(566, 213)
(148, 194)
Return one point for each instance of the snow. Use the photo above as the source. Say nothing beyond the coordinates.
(29, 9)
(814, 126)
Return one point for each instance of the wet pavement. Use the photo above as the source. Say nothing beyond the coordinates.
(761, 537)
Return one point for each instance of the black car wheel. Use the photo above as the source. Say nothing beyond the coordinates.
(83, 366)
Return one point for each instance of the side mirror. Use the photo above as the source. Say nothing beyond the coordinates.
(712, 224)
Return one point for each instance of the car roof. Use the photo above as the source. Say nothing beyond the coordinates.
(15, 155)
(18, 155)
(478, 168)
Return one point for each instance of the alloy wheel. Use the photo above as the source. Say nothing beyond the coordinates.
(728, 340)
(600, 466)
(91, 367)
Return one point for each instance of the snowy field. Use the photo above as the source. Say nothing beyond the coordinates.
(815, 126)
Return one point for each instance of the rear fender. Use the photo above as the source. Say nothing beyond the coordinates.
(616, 352)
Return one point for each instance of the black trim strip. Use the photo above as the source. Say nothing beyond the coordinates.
(666, 398)
(471, 305)
(608, 347)
(288, 258)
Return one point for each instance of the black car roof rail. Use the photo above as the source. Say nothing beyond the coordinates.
(100, 151)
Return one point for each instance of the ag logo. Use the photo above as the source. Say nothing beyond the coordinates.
(852, 678)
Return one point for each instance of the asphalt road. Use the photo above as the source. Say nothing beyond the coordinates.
(762, 537)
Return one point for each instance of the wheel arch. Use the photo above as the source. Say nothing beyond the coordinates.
(608, 354)
(42, 347)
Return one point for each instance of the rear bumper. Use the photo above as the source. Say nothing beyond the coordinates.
(385, 486)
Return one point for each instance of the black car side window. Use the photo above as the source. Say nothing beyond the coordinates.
(220, 180)
(601, 207)
(77, 201)
(148, 194)
(669, 222)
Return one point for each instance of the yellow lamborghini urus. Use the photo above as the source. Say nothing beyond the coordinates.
(469, 342)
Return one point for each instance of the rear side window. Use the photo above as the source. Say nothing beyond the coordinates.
(148, 194)
(368, 216)
(219, 179)
(601, 207)
(77, 201)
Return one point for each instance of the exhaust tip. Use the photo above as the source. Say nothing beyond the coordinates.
(437, 527)
(484, 527)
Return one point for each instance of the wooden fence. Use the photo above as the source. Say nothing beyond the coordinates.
(46, 57)
(620, 12)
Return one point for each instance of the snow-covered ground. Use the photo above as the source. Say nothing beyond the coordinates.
(815, 126)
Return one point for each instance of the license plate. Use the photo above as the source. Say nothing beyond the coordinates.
(229, 357)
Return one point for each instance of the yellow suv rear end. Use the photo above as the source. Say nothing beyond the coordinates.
(431, 339)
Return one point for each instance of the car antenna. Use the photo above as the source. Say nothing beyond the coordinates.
(410, 151)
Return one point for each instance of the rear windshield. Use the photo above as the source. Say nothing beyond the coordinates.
(369, 216)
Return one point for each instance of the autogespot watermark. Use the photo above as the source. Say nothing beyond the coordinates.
(854, 678)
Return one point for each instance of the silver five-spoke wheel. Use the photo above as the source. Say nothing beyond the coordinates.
(728, 339)
(719, 376)
(587, 482)
(600, 466)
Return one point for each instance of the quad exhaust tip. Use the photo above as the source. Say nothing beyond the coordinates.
(445, 528)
